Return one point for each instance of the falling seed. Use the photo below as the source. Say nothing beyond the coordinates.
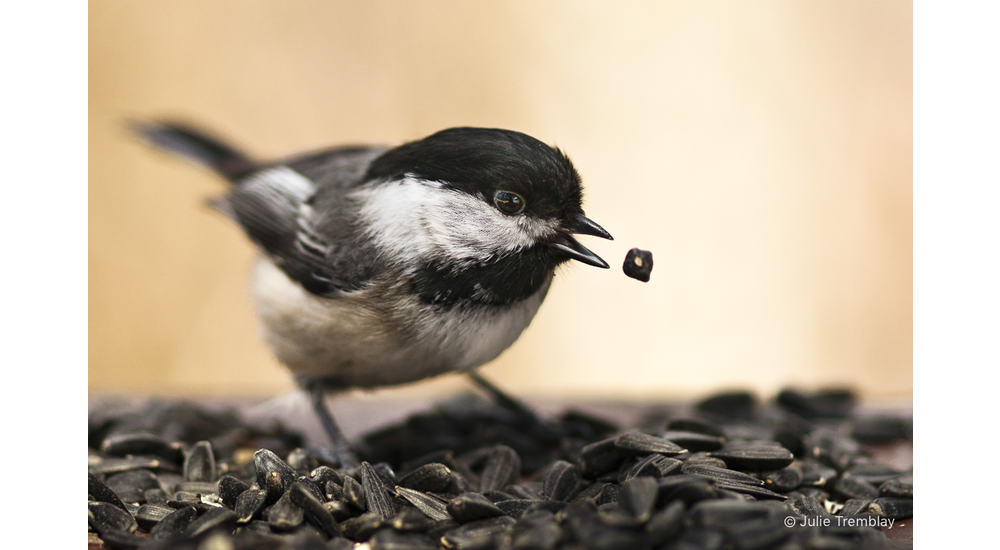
(638, 264)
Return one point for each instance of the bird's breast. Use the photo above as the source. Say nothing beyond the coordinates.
(381, 335)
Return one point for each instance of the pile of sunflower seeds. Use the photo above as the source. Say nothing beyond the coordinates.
(729, 472)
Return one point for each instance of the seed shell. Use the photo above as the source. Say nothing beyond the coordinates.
(638, 264)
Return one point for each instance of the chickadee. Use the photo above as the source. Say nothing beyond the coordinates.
(382, 266)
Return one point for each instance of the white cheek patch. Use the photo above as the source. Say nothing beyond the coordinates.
(415, 219)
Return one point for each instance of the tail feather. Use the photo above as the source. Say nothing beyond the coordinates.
(197, 146)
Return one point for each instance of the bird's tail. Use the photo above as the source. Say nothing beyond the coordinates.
(196, 145)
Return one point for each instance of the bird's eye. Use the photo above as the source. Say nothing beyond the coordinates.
(509, 203)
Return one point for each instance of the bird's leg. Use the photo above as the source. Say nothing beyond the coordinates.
(517, 407)
(341, 450)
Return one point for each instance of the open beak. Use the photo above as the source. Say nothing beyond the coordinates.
(564, 244)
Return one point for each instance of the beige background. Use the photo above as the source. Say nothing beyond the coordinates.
(761, 150)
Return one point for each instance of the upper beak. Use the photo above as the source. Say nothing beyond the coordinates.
(566, 245)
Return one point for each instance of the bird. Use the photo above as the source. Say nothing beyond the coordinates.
(382, 265)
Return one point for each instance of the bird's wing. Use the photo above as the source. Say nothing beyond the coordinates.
(275, 207)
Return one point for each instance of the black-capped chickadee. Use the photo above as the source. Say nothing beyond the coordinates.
(382, 266)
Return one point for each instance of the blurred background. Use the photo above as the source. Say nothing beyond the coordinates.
(762, 151)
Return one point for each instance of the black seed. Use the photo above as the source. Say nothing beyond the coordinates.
(480, 534)
(755, 491)
(881, 429)
(199, 463)
(754, 457)
(432, 507)
(654, 465)
(515, 507)
(285, 515)
(250, 503)
(121, 540)
(211, 519)
(854, 506)
(304, 496)
(894, 508)
(155, 496)
(600, 458)
(901, 487)
(849, 486)
(434, 477)
(100, 491)
(325, 474)
(701, 459)
(815, 474)
(362, 527)
(638, 496)
(149, 515)
(639, 443)
(666, 524)
(723, 474)
(687, 488)
(197, 487)
(105, 517)
(807, 506)
(733, 404)
(827, 404)
(376, 493)
(502, 468)
(609, 493)
(468, 507)
(130, 486)
(876, 474)
(173, 525)
(531, 490)
(116, 465)
(134, 444)
(638, 264)
(230, 489)
(273, 474)
(536, 532)
(354, 493)
(561, 482)
(783, 480)
(694, 442)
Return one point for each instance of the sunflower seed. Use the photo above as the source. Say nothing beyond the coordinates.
(172, 525)
(122, 540)
(230, 488)
(562, 481)
(876, 474)
(536, 532)
(304, 496)
(105, 517)
(484, 533)
(694, 442)
(134, 444)
(360, 528)
(600, 458)
(638, 264)
(100, 491)
(434, 477)
(388, 539)
(687, 488)
(431, 507)
(633, 442)
(116, 465)
(732, 404)
(199, 463)
(715, 514)
(654, 465)
(376, 493)
(211, 519)
(783, 480)
(285, 515)
(666, 523)
(300, 460)
(502, 468)
(848, 486)
(130, 486)
(723, 474)
(249, 504)
(894, 508)
(273, 474)
(854, 506)
(638, 496)
(354, 493)
(149, 515)
(815, 474)
(469, 507)
(901, 487)
(754, 457)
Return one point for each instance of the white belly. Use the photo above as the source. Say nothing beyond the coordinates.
(382, 336)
